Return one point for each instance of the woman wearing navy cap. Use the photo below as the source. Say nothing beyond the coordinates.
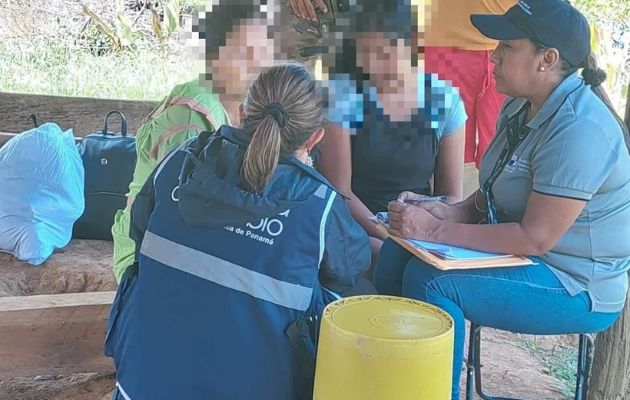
(554, 186)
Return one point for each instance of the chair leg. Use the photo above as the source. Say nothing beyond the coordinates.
(471, 365)
(473, 370)
(584, 363)
(589, 362)
(476, 346)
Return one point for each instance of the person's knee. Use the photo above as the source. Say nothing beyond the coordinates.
(389, 269)
(426, 283)
(375, 247)
(419, 280)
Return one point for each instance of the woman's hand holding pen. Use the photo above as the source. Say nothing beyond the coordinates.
(436, 206)
(412, 221)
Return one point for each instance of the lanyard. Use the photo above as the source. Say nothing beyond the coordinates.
(516, 134)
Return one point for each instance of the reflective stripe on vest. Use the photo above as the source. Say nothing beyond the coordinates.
(225, 273)
(122, 391)
(321, 192)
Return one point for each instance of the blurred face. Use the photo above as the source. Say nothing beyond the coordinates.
(387, 61)
(515, 67)
(246, 51)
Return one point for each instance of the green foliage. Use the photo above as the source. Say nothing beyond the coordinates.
(194, 4)
(164, 30)
(602, 12)
(119, 33)
(610, 19)
(562, 365)
(530, 346)
(48, 66)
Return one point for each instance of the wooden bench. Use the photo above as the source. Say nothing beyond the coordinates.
(53, 317)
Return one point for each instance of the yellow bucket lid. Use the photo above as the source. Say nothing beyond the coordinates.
(388, 317)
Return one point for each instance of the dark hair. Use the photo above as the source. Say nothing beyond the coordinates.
(283, 107)
(593, 76)
(215, 25)
(395, 19)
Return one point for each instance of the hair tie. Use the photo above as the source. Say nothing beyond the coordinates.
(278, 113)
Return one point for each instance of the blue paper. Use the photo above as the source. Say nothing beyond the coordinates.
(448, 252)
(443, 251)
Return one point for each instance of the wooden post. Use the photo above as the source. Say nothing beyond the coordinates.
(611, 378)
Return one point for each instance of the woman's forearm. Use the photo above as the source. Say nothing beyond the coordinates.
(546, 219)
(506, 238)
(465, 231)
(363, 216)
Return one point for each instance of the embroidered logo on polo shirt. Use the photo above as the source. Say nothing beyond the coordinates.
(517, 164)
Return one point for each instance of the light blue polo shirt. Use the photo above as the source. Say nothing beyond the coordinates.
(575, 149)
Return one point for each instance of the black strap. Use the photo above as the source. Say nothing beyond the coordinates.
(516, 134)
(33, 118)
(123, 122)
(304, 351)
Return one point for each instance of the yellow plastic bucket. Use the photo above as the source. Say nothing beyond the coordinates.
(384, 348)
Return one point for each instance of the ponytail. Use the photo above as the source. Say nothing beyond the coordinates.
(262, 155)
(594, 76)
(282, 109)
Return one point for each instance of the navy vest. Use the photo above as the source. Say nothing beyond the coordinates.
(207, 312)
(389, 157)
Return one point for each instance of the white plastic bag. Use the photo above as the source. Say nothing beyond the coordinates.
(41, 192)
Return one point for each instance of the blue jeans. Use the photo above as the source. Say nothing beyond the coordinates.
(527, 299)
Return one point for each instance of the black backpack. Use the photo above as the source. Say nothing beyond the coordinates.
(109, 160)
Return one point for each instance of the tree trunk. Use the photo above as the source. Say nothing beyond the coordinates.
(611, 366)
(611, 378)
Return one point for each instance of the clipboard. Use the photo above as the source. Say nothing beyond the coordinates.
(441, 264)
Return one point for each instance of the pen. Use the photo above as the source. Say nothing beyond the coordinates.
(425, 199)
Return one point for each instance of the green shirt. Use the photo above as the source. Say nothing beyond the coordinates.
(188, 110)
(574, 149)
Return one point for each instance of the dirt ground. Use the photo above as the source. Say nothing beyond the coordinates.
(68, 368)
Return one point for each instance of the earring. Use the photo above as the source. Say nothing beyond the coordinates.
(541, 69)
(309, 160)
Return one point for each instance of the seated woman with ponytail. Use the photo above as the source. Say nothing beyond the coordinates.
(554, 186)
(240, 244)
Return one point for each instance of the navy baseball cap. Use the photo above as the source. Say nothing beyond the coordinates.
(555, 23)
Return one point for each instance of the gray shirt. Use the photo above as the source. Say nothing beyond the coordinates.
(574, 149)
